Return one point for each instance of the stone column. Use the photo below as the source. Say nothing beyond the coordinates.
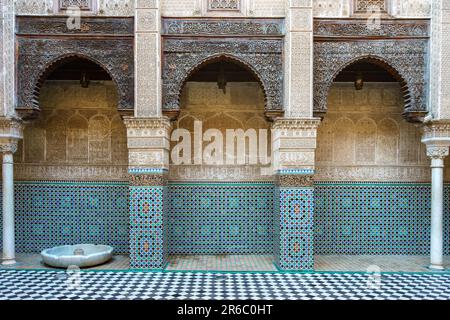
(147, 59)
(148, 146)
(294, 144)
(437, 139)
(10, 133)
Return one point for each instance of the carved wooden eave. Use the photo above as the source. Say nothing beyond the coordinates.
(44, 42)
(190, 43)
(220, 27)
(398, 45)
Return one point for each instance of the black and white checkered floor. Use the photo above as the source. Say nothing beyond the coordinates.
(106, 285)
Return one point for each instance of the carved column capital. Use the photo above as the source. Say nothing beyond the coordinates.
(8, 147)
(148, 142)
(11, 131)
(294, 144)
(436, 136)
(436, 131)
(437, 152)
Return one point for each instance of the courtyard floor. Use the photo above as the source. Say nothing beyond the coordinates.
(255, 263)
(129, 285)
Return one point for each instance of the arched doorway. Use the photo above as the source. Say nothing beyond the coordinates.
(71, 167)
(221, 198)
(372, 171)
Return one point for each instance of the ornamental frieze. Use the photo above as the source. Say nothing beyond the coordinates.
(406, 60)
(216, 27)
(88, 26)
(324, 28)
(140, 180)
(37, 56)
(262, 56)
(294, 180)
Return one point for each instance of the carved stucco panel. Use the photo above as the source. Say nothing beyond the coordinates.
(410, 8)
(147, 75)
(298, 64)
(7, 62)
(331, 8)
(439, 61)
(78, 135)
(363, 137)
(116, 7)
(34, 7)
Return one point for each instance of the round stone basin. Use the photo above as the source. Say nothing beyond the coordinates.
(81, 255)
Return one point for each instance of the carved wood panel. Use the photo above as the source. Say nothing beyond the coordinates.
(109, 44)
(189, 44)
(340, 44)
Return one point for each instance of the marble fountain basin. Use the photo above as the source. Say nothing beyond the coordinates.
(80, 255)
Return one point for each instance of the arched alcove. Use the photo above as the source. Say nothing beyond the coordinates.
(370, 157)
(74, 156)
(221, 208)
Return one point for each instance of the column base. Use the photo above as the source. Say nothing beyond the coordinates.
(437, 267)
(8, 262)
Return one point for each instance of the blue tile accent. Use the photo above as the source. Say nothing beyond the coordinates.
(147, 171)
(294, 228)
(221, 219)
(148, 233)
(49, 214)
(296, 171)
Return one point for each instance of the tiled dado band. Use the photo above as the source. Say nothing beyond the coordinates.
(357, 218)
(221, 218)
(50, 213)
(349, 217)
(293, 214)
(148, 219)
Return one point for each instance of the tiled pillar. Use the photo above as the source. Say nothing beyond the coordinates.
(148, 146)
(10, 133)
(437, 139)
(294, 144)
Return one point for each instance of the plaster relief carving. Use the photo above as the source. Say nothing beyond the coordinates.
(79, 135)
(363, 137)
(241, 107)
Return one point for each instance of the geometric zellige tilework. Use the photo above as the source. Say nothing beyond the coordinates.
(295, 229)
(375, 219)
(52, 214)
(148, 229)
(221, 218)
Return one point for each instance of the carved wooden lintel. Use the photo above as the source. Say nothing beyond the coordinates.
(37, 57)
(405, 60)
